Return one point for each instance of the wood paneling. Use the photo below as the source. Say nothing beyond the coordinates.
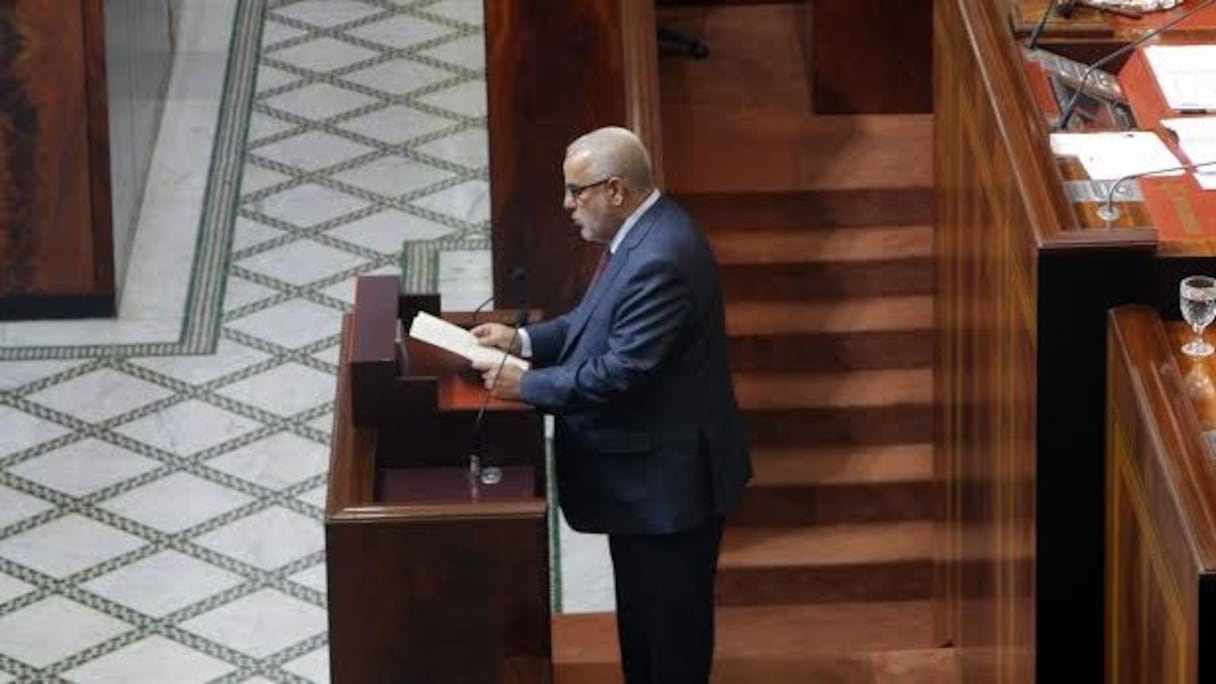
(82, 83)
(54, 206)
(986, 360)
(556, 70)
(1023, 291)
(871, 56)
(1161, 505)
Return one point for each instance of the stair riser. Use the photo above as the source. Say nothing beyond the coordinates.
(894, 581)
(881, 350)
(835, 504)
(801, 281)
(823, 426)
(840, 208)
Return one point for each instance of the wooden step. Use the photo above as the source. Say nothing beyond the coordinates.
(841, 335)
(766, 391)
(751, 318)
(820, 280)
(893, 424)
(877, 350)
(825, 564)
(803, 209)
(842, 466)
(825, 545)
(773, 246)
(768, 633)
(834, 485)
(758, 149)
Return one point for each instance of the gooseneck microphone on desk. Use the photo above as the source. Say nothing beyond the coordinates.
(1038, 29)
(516, 275)
(490, 475)
(1109, 212)
(1071, 107)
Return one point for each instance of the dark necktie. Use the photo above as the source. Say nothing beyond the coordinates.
(605, 256)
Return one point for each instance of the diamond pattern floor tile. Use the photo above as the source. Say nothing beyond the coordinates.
(100, 395)
(308, 205)
(175, 502)
(259, 624)
(322, 55)
(188, 428)
(311, 150)
(23, 431)
(83, 467)
(326, 13)
(54, 628)
(268, 539)
(395, 124)
(392, 176)
(11, 587)
(291, 324)
(278, 461)
(163, 583)
(16, 506)
(67, 545)
(154, 660)
(400, 31)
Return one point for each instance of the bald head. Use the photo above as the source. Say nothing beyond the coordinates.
(615, 151)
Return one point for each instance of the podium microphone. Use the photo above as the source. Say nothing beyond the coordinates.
(1071, 107)
(516, 275)
(1038, 29)
(491, 475)
(1109, 212)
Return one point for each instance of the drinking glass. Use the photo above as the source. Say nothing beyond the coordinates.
(1197, 298)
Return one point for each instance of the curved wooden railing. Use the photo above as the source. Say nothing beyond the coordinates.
(1161, 504)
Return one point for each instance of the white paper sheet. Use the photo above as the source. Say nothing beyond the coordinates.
(457, 340)
(1197, 138)
(1186, 75)
(1107, 156)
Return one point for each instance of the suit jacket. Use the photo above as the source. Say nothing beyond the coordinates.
(649, 438)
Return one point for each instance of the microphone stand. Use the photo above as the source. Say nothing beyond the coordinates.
(1109, 212)
(490, 475)
(1038, 29)
(1071, 107)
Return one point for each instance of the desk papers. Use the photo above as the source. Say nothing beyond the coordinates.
(1186, 74)
(1108, 156)
(453, 338)
(1197, 138)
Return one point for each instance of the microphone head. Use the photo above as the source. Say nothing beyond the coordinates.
(518, 273)
(521, 317)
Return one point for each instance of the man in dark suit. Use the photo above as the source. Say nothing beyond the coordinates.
(650, 448)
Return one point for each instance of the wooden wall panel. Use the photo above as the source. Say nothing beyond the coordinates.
(555, 70)
(985, 366)
(54, 215)
(871, 56)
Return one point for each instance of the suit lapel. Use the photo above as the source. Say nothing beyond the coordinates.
(604, 284)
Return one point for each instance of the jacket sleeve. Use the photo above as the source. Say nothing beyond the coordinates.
(652, 311)
(547, 339)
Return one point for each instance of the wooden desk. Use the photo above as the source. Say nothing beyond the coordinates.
(1161, 504)
(432, 579)
(1023, 286)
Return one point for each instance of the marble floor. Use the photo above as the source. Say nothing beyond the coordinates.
(162, 475)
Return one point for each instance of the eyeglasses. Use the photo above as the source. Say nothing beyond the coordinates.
(575, 192)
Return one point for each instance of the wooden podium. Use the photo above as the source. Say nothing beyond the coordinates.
(432, 579)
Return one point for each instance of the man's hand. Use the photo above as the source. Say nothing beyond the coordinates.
(498, 336)
(508, 375)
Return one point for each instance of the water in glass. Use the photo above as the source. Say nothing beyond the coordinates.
(1197, 299)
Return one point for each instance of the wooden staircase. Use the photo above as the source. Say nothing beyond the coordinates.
(823, 231)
